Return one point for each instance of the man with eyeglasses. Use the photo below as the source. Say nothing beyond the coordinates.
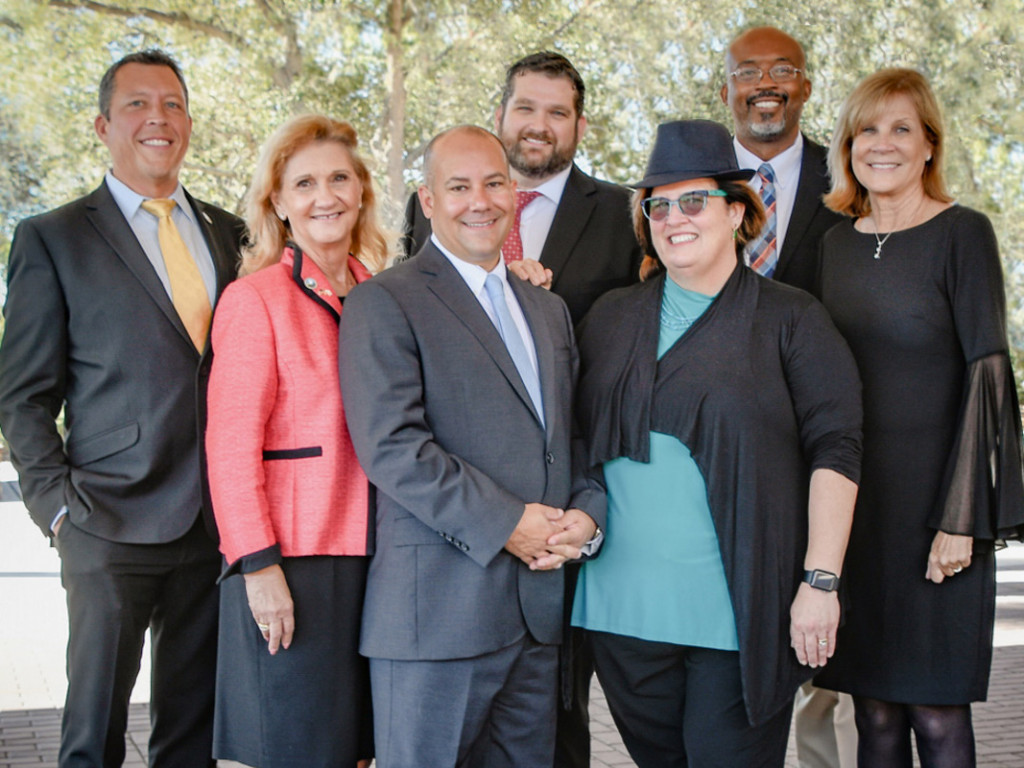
(766, 88)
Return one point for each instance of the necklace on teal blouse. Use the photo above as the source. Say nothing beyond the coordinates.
(674, 319)
(681, 308)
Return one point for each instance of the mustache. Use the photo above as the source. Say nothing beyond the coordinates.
(541, 135)
(768, 94)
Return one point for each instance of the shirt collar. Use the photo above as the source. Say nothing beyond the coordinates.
(786, 164)
(553, 188)
(129, 201)
(473, 274)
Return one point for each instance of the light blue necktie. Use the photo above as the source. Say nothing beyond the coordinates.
(514, 342)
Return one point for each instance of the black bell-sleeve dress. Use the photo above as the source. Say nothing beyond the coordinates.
(942, 451)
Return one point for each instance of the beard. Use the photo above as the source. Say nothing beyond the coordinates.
(767, 130)
(542, 168)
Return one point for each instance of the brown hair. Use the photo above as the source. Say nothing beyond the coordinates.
(550, 64)
(152, 57)
(735, 192)
(267, 233)
(848, 195)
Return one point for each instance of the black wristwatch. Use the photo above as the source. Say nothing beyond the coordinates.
(826, 581)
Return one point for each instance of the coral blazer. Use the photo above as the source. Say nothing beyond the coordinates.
(282, 469)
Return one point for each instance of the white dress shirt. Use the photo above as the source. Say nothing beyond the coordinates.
(786, 166)
(535, 223)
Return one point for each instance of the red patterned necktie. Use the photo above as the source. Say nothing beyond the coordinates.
(512, 250)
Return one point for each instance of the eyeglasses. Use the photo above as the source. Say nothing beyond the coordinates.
(690, 203)
(780, 73)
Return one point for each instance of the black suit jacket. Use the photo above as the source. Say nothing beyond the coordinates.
(590, 248)
(90, 329)
(798, 261)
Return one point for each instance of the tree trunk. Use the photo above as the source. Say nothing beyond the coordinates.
(396, 108)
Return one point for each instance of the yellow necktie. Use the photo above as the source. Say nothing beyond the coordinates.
(188, 291)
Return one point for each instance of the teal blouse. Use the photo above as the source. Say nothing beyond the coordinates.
(659, 575)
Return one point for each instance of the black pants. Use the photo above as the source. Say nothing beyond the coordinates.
(678, 706)
(115, 592)
(576, 668)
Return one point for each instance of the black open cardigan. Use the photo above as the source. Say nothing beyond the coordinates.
(763, 390)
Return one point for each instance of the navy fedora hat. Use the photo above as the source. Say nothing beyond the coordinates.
(692, 149)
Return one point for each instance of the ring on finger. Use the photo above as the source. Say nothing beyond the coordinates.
(263, 627)
(822, 641)
(958, 569)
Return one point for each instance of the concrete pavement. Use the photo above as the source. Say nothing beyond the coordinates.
(34, 631)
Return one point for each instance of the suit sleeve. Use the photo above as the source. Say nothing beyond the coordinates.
(33, 375)
(415, 229)
(242, 395)
(382, 384)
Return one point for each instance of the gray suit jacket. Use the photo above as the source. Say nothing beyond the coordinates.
(90, 328)
(590, 248)
(798, 261)
(447, 434)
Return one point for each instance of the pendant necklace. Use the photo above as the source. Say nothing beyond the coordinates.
(881, 242)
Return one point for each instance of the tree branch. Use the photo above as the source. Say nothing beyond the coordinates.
(284, 75)
(178, 18)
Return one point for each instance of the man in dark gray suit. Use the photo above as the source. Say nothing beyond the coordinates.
(766, 88)
(577, 227)
(100, 325)
(576, 237)
(458, 387)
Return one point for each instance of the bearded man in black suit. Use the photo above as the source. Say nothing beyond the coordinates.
(766, 87)
(576, 234)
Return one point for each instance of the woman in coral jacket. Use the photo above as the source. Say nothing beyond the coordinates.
(291, 502)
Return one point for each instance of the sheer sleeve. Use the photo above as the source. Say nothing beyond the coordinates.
(982, 492)
(983, 488)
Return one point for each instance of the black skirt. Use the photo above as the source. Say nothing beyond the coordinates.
(307, 706)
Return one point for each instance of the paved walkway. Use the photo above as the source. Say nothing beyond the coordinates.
(34, 631)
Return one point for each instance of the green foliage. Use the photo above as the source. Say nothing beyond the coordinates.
(400, 70)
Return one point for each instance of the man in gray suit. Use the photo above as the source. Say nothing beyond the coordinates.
(104, 324)
(458, 387)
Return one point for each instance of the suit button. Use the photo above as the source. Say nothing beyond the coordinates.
(550, 457)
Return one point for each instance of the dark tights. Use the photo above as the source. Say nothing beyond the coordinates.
(945, 738)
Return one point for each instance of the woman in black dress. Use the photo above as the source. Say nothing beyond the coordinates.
(914, 283)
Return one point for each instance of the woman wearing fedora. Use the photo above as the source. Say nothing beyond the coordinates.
(725, 411)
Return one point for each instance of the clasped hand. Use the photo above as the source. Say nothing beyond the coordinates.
(546, 536)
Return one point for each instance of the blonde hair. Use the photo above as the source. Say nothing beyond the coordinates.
(735, 192)
(848, 195)
(267, 233)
